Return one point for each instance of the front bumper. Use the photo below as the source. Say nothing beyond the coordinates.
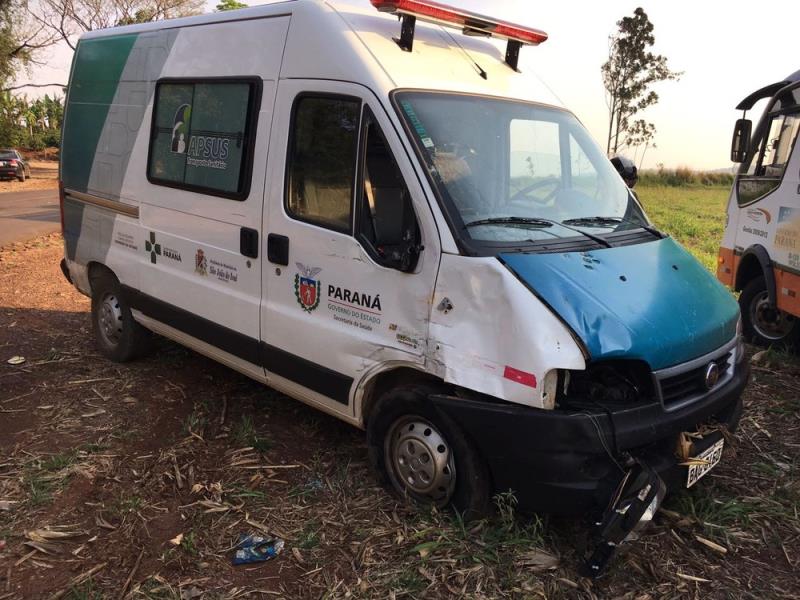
(560, 462)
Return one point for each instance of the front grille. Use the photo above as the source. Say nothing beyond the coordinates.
(692, 383)
(683, 384)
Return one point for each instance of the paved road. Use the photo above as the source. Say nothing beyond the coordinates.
(25, 215)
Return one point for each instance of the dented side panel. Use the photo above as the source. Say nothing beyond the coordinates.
(490, 334)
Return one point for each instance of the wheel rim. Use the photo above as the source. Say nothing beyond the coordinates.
(768, 321)
(420, 461)
(110, 319)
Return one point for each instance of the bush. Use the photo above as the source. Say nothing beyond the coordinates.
(683, 176)
(52, 139)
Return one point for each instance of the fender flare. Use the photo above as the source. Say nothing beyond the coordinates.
(762, 255)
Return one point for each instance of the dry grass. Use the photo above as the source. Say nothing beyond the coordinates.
(102, 465)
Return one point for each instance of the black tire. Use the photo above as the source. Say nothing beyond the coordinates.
(766, 327)
(117, 335)
(396, 414)
(21, 177)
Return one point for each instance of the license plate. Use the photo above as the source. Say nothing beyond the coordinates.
(711, 456)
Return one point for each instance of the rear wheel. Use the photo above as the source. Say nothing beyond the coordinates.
(21, 176)
(424, 456)
(117, 335)
(763, 323)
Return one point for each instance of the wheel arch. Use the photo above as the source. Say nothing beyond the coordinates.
(97, 269)
(755, 262)
(373, 387)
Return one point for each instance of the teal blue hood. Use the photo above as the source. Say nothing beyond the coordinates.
(649, 301)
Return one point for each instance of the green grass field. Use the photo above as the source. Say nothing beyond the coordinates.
(693, 215)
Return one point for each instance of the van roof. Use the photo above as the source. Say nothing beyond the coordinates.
(350, 40)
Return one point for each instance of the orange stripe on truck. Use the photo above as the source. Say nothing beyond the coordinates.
(726, 267)
(788, 289)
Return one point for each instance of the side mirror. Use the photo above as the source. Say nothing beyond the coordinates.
(626, 169)
(741, 140)
(404, 255)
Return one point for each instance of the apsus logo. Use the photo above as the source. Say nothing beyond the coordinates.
(209, 147)
(206, 150)
(180, 128)
(306, 287)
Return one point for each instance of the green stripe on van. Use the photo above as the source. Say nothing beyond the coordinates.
(95, 76)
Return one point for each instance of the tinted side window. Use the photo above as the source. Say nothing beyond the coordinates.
(768, 164)
(322, 161)
(386, 225)
(201, 136)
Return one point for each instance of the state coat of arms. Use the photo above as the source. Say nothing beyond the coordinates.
(307, 287)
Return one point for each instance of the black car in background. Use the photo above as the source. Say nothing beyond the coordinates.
(12, 165)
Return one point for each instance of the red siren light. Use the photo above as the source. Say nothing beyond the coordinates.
(470, 23)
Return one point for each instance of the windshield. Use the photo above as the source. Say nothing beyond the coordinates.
(513, 172)
(7, 154)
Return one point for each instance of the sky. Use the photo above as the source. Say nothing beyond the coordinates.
(725, 48)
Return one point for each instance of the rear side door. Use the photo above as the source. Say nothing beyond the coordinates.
(201, 214)
(352, 249)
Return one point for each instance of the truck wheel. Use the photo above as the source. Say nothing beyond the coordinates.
(425, 456)
(117, 335)
(764, 324)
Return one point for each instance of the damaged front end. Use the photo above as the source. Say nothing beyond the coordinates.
(614, 444)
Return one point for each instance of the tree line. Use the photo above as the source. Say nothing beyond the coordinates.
(32, 124)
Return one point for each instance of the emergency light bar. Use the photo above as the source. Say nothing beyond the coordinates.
(470, 23)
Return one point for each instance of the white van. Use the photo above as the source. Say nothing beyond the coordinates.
(385, 219)
(760, 252)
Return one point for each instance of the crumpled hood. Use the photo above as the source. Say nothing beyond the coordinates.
(649, 301)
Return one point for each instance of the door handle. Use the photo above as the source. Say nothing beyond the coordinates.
(278, 249)
(248, 242)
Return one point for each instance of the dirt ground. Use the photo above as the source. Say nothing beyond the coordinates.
(136, 480)
(44, 176)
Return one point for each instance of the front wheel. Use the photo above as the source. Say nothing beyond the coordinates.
(117, 334)
(426, 457)
(763, 323)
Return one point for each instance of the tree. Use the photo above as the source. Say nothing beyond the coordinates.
(69, 18)
(230, 5)
(20, 39)
(628, 76)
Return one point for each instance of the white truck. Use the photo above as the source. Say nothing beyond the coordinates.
(760, 251)
(387, 220)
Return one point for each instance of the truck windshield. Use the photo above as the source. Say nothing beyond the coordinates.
(514, 173)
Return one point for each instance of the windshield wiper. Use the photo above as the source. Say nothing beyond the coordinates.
(603, 221)
(536, 222)
(511, 221)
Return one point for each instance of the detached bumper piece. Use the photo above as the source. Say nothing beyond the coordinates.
(634, 505)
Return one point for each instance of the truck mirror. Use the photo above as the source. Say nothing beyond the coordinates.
(741, 140)
(626, 169)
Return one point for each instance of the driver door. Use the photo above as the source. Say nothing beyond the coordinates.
(348, 285)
